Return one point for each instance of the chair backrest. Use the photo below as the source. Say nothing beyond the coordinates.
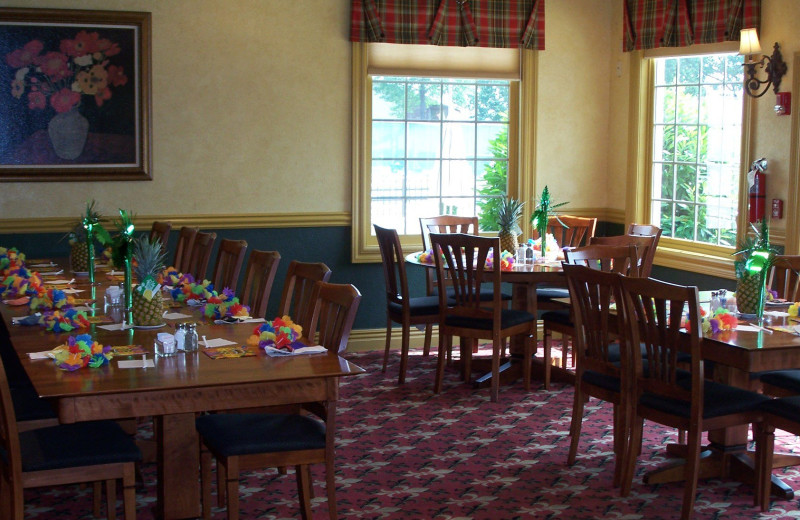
(9, 439)
(463, 258)
(230, 258)
(592, 293)
(644, 230)
(258, 279)
(443, 224)
(784, 276)
(335, 310)
(617, 259)
(645, 247)
(570, 231)
(160, 231)
(394, 269)
(297, 296)
(653, 316)
(201, 254)
(183, 252)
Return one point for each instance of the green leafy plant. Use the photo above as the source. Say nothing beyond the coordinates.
(544, 208)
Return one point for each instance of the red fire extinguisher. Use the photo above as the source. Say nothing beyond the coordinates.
(757, 179)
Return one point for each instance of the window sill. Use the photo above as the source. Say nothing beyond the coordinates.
(719, 265)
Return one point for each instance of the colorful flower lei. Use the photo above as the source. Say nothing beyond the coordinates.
(20, 281)
(81, 351)
(193, 291)
(794, 309)
(10, 258)
(64, 321)
(279, 333)
(506, 261)
(217, 309)
(722, 320)
(46, 299)
(550, 241)
(426, 257)
(172, 277)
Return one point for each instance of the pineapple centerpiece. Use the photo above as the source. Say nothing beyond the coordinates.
(147, 305)
(754, 259)
(82, 236)
(508, 214)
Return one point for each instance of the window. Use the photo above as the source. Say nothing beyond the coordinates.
(697, 126)
(439, 146)
(437, 130)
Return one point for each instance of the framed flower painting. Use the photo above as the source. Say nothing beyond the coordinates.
(74, 95)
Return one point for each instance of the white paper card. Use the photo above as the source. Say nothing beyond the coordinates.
(39, 355)
(59, 282)
(136, 363)
(51, 273)
(45, 264)
(113, 326)
(176, 316)
(73, 291)
(216, 342)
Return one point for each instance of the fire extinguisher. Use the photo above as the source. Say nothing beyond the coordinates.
(757, 179)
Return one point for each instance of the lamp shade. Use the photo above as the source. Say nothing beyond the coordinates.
(748, 42)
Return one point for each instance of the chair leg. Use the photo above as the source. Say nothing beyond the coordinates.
(111, 499)
(388, 344)
(444, 341)
(232, 487)
(575, 424)
(406, 335)
(426, 348)
(691, 473)
(546, 354)
(330, 485)
(527, 354)
(619, 442)
(97, 498)
(496, 347)
(129, 491)
(467, 347)
(303, 475)
(765, 446)
(631, 454)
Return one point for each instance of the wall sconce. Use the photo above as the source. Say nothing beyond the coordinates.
(773, 65)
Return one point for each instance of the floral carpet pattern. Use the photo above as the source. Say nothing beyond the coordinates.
(406, 453)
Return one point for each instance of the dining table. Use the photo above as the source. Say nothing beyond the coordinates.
(735, 357)
(173, 389)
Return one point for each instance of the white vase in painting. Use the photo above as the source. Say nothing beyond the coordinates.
(68, 132)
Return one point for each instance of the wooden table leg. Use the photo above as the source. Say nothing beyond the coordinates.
(178, 467)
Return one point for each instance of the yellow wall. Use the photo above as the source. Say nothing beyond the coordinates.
(251, 109)
(251, 112)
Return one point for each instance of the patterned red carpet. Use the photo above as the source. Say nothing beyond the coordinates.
(405, 453)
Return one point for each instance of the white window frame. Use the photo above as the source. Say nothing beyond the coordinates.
(522, 143)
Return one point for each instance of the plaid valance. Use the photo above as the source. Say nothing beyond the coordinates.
(481, 23)
(649, 24)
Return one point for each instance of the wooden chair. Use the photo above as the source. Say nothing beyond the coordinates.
(64, 454)
(783, 414)
(570, 231)
(400, 306)
(201, 254)
(664, 393)
(609, 258)
(646, 230)
(441, 224)
(183, 251)
(230, 258)
(645, 249)
(258, 279)
(160, 231)
(298, 288)
(467, 316)
(784, 276)
(246, 441)
(601, 360)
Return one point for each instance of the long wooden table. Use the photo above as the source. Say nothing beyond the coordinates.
(173, 391)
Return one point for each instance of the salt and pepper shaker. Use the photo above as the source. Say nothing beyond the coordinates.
(191, 341)
(180, 336)
(715, 303)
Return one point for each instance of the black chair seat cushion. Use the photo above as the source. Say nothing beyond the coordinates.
(28, 406)
(786, 407)
(420, 306)
(558, 317)
(508, 318)
(246, 433)
(486, 295)
(602, 380)
(75, 445)
(718, 400)
(546, 294)
(786, 379)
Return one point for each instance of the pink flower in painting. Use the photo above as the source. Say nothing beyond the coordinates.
(37, 100)
(24, 56)
(107, 48)
(116, 76)
(64, 100)
(54, 65)
(83, 44)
